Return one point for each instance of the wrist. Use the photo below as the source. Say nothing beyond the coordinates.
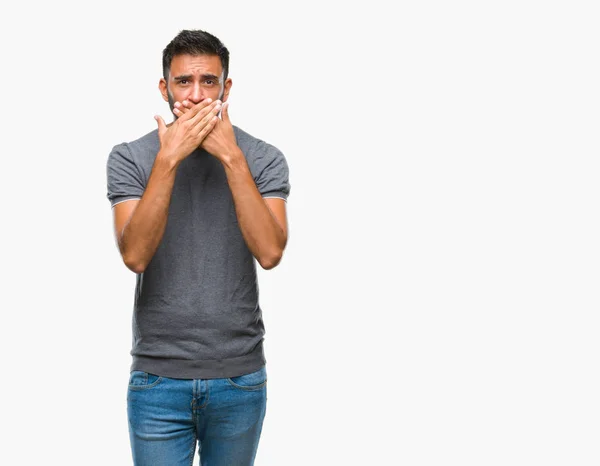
(233, 158)
(166, 160)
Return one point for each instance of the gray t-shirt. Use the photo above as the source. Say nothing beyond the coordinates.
(196, 312)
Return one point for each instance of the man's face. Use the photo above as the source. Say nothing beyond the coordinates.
(194, 78)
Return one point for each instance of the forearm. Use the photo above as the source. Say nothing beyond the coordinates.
(260, 230)
(144, 231)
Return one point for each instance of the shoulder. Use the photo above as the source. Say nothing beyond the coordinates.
(133, 160)
(146, 144)
(140, 151)
(256, 150)
(267, 164)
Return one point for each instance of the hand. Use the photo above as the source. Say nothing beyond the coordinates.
(220, 142)
(185, 134)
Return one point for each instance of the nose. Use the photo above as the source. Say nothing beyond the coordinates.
(197, 94)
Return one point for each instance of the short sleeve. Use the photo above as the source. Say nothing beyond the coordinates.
(273, 172)
(124, 181)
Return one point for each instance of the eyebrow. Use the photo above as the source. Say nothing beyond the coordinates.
(189, 77)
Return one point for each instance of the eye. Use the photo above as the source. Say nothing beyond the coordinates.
(183, 81)
(210, 82)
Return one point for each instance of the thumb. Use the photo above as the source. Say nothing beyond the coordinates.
(225, 112)
(162, 127)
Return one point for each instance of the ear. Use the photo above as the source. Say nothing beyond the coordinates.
(226, 88)
(162, 87)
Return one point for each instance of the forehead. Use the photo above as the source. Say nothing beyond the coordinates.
(195, 65)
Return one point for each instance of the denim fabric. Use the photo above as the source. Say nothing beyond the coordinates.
(168, 416)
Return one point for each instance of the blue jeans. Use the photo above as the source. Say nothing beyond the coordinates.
(168, 416)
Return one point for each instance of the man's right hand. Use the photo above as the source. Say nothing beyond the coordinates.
(184, 135)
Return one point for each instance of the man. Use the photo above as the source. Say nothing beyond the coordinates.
(194, 203)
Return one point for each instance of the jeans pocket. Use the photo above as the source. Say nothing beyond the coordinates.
(253, 381)
(140, 380)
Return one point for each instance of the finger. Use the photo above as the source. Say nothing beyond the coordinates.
(161, 124)
(210, 124)
(202, 120)
(182, 107)
(198, 117)
(195, 109)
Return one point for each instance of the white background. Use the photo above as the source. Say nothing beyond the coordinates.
(438, 300)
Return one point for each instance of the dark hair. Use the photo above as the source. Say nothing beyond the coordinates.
(195, 42)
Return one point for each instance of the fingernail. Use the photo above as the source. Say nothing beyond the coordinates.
(177, 104)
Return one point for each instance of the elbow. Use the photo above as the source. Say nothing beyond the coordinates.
(272, 258)
(136, 270)
(270, 261)
(132, 261)
(134, 265)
